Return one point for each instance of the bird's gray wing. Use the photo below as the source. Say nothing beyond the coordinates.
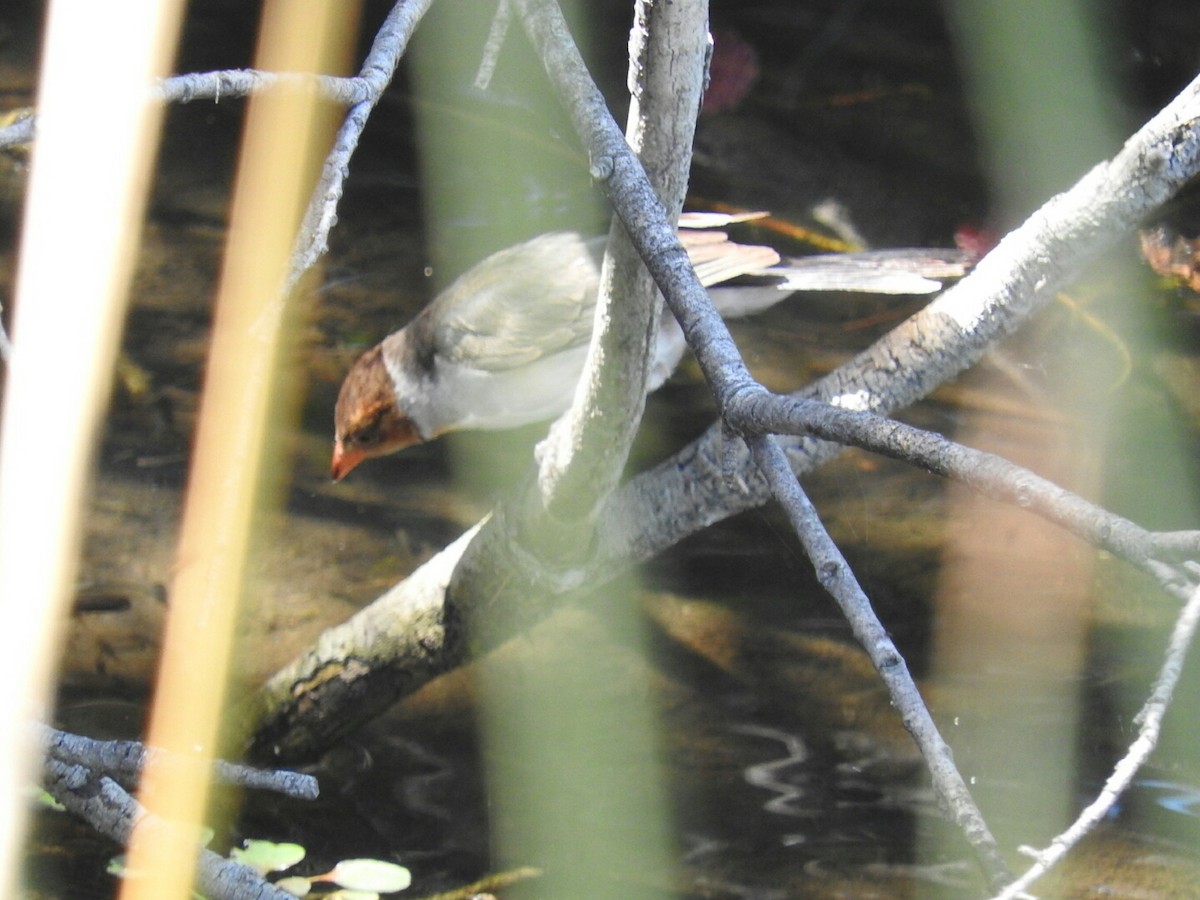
(518, 305)
(538, 298)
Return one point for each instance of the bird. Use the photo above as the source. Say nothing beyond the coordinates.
(504, 345)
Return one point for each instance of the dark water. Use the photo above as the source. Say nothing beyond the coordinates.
(768, 740)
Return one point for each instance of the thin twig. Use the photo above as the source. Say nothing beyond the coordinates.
(123, 761)
(492, 46)
(110, 810)
(222, 84)
(230, 83)
(1149, 720)
(988, 474)
(377, 70)
(838, 579)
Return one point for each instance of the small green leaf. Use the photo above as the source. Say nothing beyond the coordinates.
(43, 798)
(267, 856)
(370, 875)
(296, 885)
(116, 866)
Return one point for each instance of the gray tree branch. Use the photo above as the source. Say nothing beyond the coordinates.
(123, 762)
(583, 458)
(1023, 273)
(376, 73)
(109, 809)
(838, 579)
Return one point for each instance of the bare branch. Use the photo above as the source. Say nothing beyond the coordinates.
(633, 199)
(583, 458)
(123, 762)
(376, 73)
(985, 473)
(403, 640)
(838, 579)
(110, 810)
(230, 83)
(223, 84)
(19, 132)
(949, 336)
(495, 41)
(691, 490)
(361, 93)
(1149, 721)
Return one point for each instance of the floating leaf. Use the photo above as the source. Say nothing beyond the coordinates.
(267, 856)
(43, 798)
(297, 885)
(370, 875)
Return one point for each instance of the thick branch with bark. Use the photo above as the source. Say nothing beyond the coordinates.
(583, 459)
(497, 566)
(552, 528)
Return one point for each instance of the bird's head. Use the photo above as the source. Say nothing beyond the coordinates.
(367, 420)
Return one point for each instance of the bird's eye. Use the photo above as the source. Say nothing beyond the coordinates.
(369, 435)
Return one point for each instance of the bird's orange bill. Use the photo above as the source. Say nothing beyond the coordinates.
(344, 460)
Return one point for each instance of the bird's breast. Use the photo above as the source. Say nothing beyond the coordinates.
(460, 396)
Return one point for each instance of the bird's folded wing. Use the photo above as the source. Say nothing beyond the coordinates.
(538, 298)
(520, 304)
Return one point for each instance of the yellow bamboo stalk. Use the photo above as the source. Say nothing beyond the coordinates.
(280, 154)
